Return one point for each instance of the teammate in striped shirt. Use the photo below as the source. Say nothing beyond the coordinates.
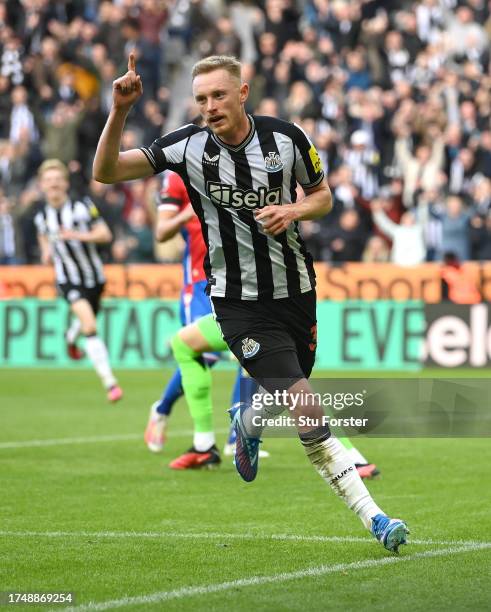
(241, 173)
(68, 232)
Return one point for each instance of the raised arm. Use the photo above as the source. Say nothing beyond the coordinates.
(382, 221)
(110, 164)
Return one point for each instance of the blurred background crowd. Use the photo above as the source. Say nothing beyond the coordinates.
(396, 95)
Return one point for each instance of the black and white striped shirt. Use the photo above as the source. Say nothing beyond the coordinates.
(77, 263)
(226, 184)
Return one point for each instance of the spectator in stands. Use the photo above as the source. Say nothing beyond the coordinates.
(60, 132)
(396, 57)
(152, 121)
(364, 161)
(358, 75)
(300, 102)
(313, 235)
(455, 228)
(13, 166)
(458, 286)
(110, 203)
(418, 170)
(483, 153)
(481, 195)
(343, 189)
(220, 39)
(341, 21)
(45, 65)
(376, 251)
(346, 238)
(22, 123)
(8, 238)
(5, 106)
(140, 237)
(462, 29)
(11, 58)
(408, 245)
(462, 171)
(110, 18)
(480, 237)
(390, 201)
(431, 203)
(281, 18)
(468, 119)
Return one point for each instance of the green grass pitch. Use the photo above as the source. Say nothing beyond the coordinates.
(86, 508)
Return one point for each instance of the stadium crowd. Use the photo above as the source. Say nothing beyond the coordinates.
(396, 96)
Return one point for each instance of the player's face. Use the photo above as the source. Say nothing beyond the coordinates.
(54, 186)
(220, 98)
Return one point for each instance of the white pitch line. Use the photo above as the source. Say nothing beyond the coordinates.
(290, 537)
(63, 441)
(312, 572)
(91, 439)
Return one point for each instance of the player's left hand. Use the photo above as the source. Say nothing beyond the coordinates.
(275, 219)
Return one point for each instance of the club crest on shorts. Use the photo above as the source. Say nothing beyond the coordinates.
(273, 162)
(250, 347)
(73, 295)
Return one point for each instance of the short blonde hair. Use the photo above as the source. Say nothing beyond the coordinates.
(216, 62)
(53, 164)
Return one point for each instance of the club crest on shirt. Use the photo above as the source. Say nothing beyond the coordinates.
(273, 162)
(250, 347)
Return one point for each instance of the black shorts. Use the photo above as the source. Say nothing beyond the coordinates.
(272, 339)
(72, 293)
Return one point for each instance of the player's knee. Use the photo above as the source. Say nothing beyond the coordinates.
(182, 352)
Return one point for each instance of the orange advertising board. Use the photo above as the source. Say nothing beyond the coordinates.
(354, 281)
(131, 281)
(385, 281)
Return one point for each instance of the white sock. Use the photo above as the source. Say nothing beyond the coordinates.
(356, 456)
(257, 411)
(331, 460)
(203, 440)
(73, 332)
(97, 353)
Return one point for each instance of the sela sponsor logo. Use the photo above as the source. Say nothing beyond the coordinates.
(211, 159)
(341, 474)
(273, 162)
(250, 347)
(233, 197)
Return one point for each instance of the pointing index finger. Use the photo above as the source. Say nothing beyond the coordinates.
(132, 62)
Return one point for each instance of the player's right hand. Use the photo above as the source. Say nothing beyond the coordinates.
(128, 88)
